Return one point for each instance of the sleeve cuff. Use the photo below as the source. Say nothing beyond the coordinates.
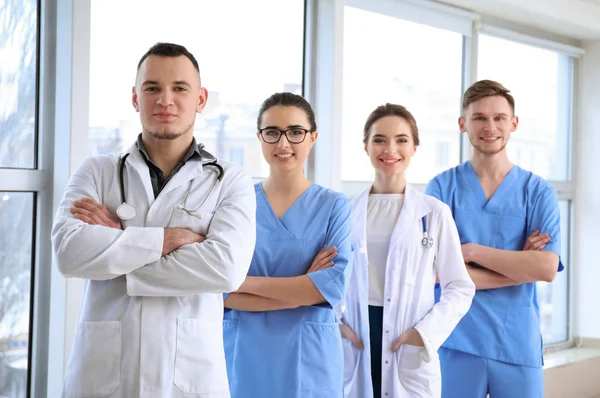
(327, 286)
(429, 352)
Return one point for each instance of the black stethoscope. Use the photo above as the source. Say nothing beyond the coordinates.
(126, 212)
(427, 240)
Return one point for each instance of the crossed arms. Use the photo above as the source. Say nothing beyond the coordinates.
(157, 261)
(509, 267)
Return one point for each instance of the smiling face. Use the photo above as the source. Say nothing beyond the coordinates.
(283, 155)
(489, 122)
(390, 145)
(168, 95)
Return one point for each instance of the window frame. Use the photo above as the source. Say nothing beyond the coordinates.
(64, 79)
(36, 180)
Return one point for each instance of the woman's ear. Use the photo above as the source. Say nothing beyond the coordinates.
(313, 138)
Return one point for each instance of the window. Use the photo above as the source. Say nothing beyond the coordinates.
(406, 57)
(552, 297)
(18, 52)
(18, 140)
(236, 156)
(442, 151)
(540, 81)
(16, 215)
(240, 70)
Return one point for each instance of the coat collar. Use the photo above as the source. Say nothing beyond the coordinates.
(188, 172)
(415, 206)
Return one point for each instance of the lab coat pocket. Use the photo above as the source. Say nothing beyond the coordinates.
(420, 378)
(200, 361)
(196, 222)
(321, 360)
(95, 366)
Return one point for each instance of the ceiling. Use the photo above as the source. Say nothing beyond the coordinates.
(578, 19)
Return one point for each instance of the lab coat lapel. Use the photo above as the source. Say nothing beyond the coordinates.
(191, 169)
(413, 209)
(359, 215)
(137, 163)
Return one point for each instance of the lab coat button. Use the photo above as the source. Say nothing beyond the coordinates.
(386, 362)
(387, 332)
(389, 300)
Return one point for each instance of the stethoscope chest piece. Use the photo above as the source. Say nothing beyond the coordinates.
(427, 242)
(126, 211)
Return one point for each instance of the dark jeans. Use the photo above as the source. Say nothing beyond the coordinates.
(375, 333)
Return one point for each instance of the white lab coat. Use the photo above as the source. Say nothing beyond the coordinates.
(151, 326)
(408, 299)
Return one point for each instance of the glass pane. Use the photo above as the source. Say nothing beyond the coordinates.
(240, 70)
(18, 55)
(540, 81)
(16, 212)
(407, 57)
(553, 297)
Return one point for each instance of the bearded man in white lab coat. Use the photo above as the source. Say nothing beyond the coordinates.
(152, 312)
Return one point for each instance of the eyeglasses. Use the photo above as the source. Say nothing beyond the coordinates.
(294, 135)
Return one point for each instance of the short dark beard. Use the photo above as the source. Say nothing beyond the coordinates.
(169, 135)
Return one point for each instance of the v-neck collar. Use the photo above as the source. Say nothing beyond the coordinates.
(279, 220)
(495, 200)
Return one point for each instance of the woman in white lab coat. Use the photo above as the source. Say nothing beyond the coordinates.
(403, 239)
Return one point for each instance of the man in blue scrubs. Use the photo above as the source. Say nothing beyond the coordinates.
(509, 224)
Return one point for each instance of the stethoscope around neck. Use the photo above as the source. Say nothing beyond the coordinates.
(127, 212)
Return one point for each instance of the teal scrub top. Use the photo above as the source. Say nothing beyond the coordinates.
(502, 324)
(297, 352)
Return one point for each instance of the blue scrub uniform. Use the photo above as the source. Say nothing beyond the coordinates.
(497, 347)
(294, 353)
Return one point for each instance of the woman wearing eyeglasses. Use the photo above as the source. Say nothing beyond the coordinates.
(280, 332)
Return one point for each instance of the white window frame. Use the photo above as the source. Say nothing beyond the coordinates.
(39, 181)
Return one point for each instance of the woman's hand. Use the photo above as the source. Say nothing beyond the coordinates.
(410, 337)
(323, 259)
(349, 334)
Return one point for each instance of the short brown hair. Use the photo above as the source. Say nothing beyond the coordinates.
(391, 110)
(486, 88)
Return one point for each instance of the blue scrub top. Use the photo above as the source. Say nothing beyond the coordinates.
(297, 352)
(502, 324)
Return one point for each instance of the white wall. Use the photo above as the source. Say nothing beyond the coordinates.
(586, 257)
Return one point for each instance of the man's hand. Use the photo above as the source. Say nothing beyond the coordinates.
(323, 259)
(349, 334)
(536, 241)
(90, 212)
(410, 337)
(174, 238)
